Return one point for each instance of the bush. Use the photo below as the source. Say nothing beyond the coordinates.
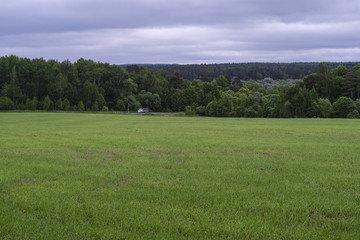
(31, 104)
(120, 105)
(250, 112)
(81, 106)
(66, 104)
(201, 110)
(211, 108)
(343, 106)
(95, 106)
(6, 104)
(190, 111)
(59, 104)
(353, 114)
(47, 103)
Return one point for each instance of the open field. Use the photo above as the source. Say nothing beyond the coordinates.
(108, 176)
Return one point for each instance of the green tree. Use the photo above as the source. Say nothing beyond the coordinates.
(352, 83)
(357, 102)
(91, 95)
(132, 103)
(66, 104)
(56, 88)
(327, 78)
(325, 108)
(343, 106)
(12, 89)
(211, 108)
(81, 106)
(314, 80)
(236, 81)
(222, 81)
(95, 106)
(6, 104)
(339, 71)
(32, 104)
(353, 114)
(129, 87)
(149, 100)
(120, 105)
(177, 82)
(59, 104)
(101, 101)
(46, 103)
(220, 108)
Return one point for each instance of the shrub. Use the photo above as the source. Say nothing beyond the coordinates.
(353, 114)
(47, 103)
(120, 105)
(81, 106)
(59, 104)
(31, 104)
(6, 104)
(66, 104)
(95, 106)
(189, 111)
(201, 110)
(343, 106)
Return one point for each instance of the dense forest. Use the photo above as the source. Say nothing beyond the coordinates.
(245, 71)
(326, 90)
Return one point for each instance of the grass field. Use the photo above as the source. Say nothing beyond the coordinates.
(110, 176)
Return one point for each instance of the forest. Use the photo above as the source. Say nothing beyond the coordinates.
(245, 71)
(324, 89)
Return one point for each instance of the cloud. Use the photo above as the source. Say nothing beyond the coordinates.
(187, 31)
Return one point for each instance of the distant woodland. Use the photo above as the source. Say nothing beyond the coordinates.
(245, 71)
(275, 90)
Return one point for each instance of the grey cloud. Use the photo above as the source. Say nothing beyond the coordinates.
(53, 16)
(181, 31)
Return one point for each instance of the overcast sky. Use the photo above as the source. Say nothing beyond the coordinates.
(182, 31)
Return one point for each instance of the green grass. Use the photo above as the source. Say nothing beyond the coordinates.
(109, 176)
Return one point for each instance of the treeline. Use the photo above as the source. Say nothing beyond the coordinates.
(245, 71)
(85, 85)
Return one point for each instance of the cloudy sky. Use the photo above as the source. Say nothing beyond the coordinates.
(182, 31)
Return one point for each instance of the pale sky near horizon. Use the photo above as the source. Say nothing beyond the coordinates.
(182, 31)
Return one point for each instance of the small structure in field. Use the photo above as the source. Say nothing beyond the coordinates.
(143, 110)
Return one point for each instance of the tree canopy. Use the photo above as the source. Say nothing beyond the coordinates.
(36, 84)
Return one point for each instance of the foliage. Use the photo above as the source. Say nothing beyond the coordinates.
(201, 110)
(59, 104)
(81, 106)
(352, 83)
(32, 104)
(325, 108)
(6, 104)
(120, 105)
(357, 102)
(190, 110)
(46, 104)
(343, 106)
(52, 85)
(244, 71)
(66, 104)
(353, 114)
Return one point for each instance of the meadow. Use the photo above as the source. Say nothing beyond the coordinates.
(116, 176)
